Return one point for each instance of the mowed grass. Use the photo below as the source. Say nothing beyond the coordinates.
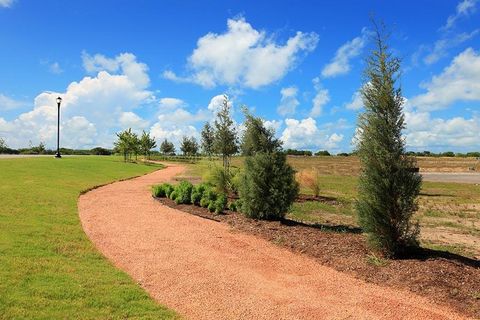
(48, 267)
(449, 213)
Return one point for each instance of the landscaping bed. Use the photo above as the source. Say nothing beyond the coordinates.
(440, 276)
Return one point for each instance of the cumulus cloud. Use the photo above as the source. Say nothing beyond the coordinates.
(356, 103)
(340, 63)
(92, 109)
(8, 103)
(243, 56)
(441, 47)
(125, 63)
(170, 103)
(305, 134)
(217, 102)
(288, 101)
(424, 132)
(460, 81)
(132, 120)
(463, 9)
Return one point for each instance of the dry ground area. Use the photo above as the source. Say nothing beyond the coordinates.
(205, 271)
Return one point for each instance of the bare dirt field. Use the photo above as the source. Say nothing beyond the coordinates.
(203, 270)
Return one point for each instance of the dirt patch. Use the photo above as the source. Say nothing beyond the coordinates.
(443, 277)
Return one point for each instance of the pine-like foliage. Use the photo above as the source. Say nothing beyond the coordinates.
(258, 138)
(225, 142)
(208, 138)
(388, 185)
(268, 187)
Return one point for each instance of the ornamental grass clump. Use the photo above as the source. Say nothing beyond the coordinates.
(310, 179)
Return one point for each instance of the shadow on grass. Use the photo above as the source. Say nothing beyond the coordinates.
(436, 195)
(322, 227)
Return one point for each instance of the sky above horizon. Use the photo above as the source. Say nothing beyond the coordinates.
(163, 66)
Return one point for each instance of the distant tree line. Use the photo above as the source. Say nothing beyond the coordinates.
(42, 149)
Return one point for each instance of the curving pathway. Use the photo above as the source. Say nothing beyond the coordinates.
(203, 270)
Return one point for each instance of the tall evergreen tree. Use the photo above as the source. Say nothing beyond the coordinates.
(225, 142)
(208, 139)
(388, 185)
(257, 138)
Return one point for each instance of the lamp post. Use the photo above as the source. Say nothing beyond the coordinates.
(58, 155)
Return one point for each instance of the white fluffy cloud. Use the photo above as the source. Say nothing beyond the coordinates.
(340, 63)
(126, 63)
(92, 108)
(424, 132)
(305, 134)
(170, 103)
(460, 81)
(243, 56)
(132, 120)
(321, 98)
(356, 103)
(463, 9)
(288, 101)
(7, 103)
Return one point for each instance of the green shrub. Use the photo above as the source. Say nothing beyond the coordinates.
(184, 192)
(232, 206)
(162, 190)
(197, 193)
(204, 202)
(217, 177)
(168, 189)
(173, 195)
(268, 187)
(211, 206)
(158, 191)
(220, 203)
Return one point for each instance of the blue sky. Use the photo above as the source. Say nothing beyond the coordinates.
(162, 66)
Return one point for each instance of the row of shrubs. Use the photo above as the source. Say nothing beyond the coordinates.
(203, 195)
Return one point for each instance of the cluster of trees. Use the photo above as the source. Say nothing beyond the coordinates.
(267, 186)
(443, 154)
(42, 149)
(130, 144)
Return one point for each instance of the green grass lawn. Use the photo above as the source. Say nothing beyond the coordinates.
(48, 267)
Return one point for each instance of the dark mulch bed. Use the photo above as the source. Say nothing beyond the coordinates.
(442, 277)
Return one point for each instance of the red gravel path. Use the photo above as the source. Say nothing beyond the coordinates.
(203, 270)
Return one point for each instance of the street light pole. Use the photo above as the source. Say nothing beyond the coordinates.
(58, 155)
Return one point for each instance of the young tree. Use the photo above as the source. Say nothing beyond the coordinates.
(167, 148)
(189, 146)
(267, 187)
(388, 185)
(127, 143)
(208, 139)
(147, 143)
(225, 142)
(3, 144)
(257, 138)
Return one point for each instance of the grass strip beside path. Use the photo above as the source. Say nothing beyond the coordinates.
(48, 267)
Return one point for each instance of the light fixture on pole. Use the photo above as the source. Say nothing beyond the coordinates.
(58, 155)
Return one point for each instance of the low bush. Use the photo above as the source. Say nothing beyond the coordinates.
(220, 203)
(197, 193)
(162, 190)
(211, 206)
(183, 192)
(310, 179)
(173, 195)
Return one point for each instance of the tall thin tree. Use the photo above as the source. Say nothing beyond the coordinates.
(208, 139)
(225, 142)
(388, 184)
